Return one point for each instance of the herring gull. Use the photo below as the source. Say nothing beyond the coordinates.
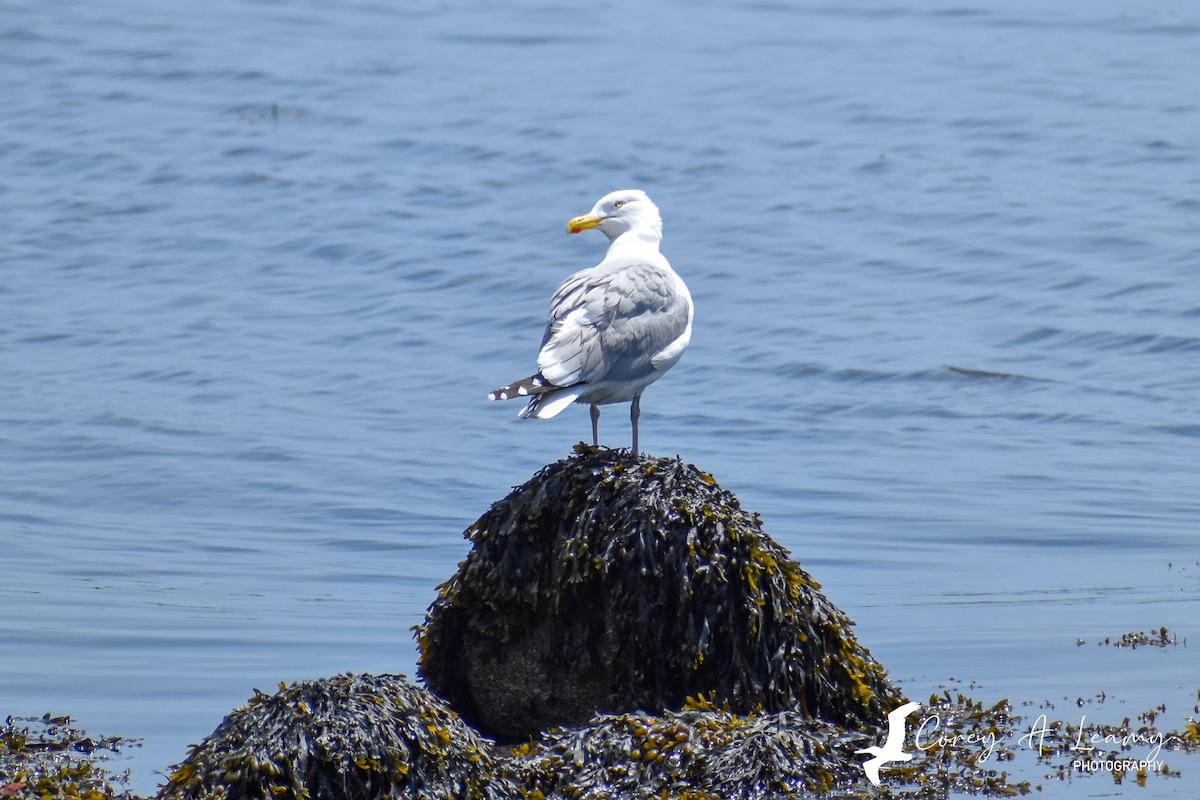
(613, 329)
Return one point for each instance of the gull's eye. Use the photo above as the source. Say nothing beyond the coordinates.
(618, 204)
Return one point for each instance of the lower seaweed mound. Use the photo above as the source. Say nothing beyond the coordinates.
(348, 737)
(707, 753)
(694, 754)
(615, 583)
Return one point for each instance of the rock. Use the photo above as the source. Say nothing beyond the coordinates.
(612, 583)
(350, 737)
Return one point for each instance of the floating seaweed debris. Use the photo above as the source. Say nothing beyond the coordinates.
(1127, 750)
(1159, 638)
(621, 583)
(45, 758)
(350, 737)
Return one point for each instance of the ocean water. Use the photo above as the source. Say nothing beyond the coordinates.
(260, 263)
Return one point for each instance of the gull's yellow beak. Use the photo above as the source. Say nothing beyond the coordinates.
(583, 223)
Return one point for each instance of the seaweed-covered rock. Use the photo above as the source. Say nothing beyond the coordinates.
(698, 754)
(350, 737)
(615, 583)
(707, 753)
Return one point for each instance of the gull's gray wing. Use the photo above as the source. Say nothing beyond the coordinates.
(607, 322)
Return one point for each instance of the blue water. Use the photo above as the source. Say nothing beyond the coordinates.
(260, 263)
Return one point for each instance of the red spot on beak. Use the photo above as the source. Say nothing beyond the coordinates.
(576, 229)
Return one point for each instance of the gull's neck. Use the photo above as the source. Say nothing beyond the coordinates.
(640, 240)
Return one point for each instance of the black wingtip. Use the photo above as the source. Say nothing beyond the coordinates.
(527, 387)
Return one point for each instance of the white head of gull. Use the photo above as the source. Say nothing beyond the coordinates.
(613, 329)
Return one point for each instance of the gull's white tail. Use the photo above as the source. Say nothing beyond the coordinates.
(545, 406)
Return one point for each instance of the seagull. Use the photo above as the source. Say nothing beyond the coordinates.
(893, 746)
(613, 329)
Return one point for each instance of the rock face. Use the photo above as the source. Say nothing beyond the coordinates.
(349, 737)
(612, 583)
